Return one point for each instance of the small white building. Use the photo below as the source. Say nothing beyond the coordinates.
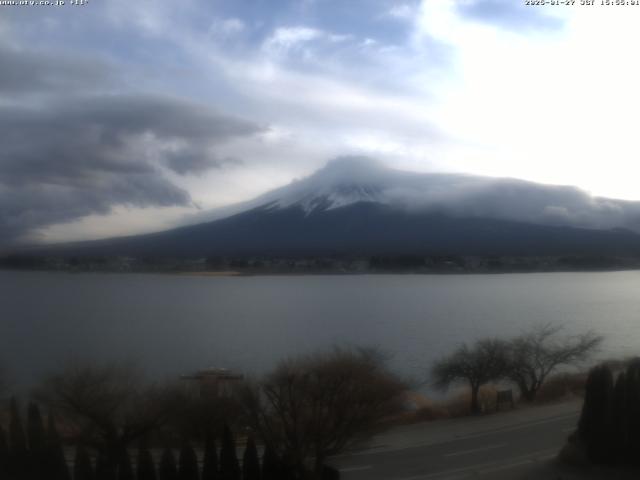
(214, 382)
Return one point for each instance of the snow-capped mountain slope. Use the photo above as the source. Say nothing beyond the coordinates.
(351, 180)
(358, 207)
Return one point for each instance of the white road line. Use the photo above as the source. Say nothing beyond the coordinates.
(355, 469)
(511, 465)
(485, 433)
(474, 450)
(466, 471)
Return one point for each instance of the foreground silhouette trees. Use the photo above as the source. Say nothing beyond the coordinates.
(316, 406)
(330, 399)
(270, 464)
(37, 438)
(19, 464)
(250, 461)
(229, 466)
(4, 454)
(146, 469)
(33, 454)
(110, 406)
(82, 468)
(168, 469)
(188, 463)
(609, 425)
(210, 460)
(55, 461)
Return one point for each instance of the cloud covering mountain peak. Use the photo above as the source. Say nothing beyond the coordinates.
(349, 180)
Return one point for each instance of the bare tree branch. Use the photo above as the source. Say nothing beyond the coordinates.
(316, 406)
(484, 361)
(534, 355)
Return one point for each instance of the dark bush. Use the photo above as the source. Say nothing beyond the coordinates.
(596, 421)
(210, 461)
(125, 470)
(4, 454)
(146, 469)
(270, 464)
(37, 441)
(18, 453)
(56, 461)
(82, 468)
(250, 462)
(609, 425)
(105, 469)
(229, 466)
(188, 463)
(168, 469)
(330, 473)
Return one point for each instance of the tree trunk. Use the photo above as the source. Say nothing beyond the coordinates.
(527, 393)
(475, 403)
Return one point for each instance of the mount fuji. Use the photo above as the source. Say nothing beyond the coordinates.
(357, 206)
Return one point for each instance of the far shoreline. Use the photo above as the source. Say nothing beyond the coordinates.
(297, 273)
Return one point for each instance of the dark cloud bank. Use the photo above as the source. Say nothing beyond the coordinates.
(67, 155)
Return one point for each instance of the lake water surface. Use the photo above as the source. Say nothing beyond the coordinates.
(172, 324)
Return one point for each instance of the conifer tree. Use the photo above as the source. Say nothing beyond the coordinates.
(229, 466)
(36, 437)
(168, 469)
(4, 454)
(56, 461)
(82, 468)
(146, 467)
(35, 429)
(620, 428)
(596, 420)
(633, 411)
(270, 464)
(125, 470)
(18, 453)
(105, 469)
(250, 461)
(17, 439)
(188, 463)
(210, 463)
(330, 473)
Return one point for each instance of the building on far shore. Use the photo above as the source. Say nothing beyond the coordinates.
(213, 382)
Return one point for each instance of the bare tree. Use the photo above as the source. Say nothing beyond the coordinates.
(316, 406)
(109, 405)
(536, 354)
(483, 362)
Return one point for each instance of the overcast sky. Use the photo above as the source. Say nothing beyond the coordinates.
(121, 117)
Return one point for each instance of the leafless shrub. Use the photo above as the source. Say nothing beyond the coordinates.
(319, 405)
(106, 406)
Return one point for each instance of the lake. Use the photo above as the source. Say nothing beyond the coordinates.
(174, 324)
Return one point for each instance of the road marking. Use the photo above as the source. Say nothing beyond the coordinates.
(473, 469)
(511, 465)
(481, 449)
(568, 430)
(448, 439)
(355, 469)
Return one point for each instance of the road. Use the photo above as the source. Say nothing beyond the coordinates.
(448, 450)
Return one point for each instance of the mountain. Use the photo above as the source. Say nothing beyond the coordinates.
(355, 206)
